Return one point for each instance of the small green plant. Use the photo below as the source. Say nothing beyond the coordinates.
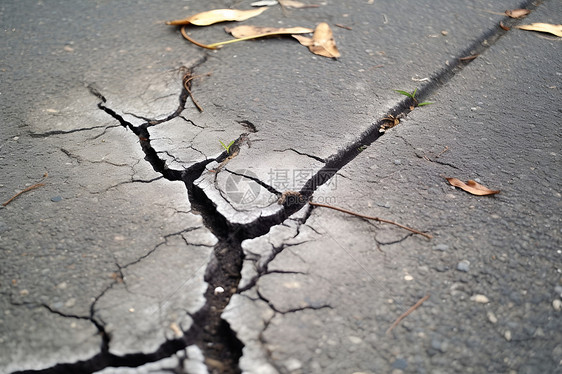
(227, 147)
(413, 97)
(362, 148)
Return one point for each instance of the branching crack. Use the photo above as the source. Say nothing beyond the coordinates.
(209, 331)
(292, 310)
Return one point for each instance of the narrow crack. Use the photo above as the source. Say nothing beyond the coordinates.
(258, 181)
(262, 268)
(302, 154)
(65, 132)
(292, 310)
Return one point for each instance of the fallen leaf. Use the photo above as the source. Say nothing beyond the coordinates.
(322, 42)
(245, 31)
(543, 27)
(472, 187)
(504, 26)
(517, 13)
(265, 3)
(296, 4)
(218, 15)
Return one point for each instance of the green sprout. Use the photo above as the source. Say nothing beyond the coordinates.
(227, 147)
(413, 97)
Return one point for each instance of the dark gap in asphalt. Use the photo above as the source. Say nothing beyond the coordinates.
(437, 81)
(209, 331)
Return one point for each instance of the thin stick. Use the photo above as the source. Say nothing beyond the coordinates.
(186, 81)
(343, 26)
(468, 58)
(443, 151)
(37, 185)
(373, 218)
(416, 305)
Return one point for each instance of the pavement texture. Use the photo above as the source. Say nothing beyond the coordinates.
(149, 248)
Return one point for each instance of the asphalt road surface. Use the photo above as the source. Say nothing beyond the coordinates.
(153, 236)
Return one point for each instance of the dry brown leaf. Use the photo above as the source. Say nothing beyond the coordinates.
(218, 15)
(245, 31)
(322, 42)
(296, 4)
(543, 27)
(517, 13)
(472, 187)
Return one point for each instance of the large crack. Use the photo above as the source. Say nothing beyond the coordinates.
(209, 331)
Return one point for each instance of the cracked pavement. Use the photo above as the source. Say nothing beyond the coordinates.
(151, 248)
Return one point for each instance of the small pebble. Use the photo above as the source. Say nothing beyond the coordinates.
(441, 247)
(397, 162)
(464, 265)
(507, 335)
(439, 346)
(56, 199)
(539, 333)
(219, 290)
(557, 304)
(480, 299)
(558, 290)
(293, 364)
(408, 277)
(492, 317)
(400, 364)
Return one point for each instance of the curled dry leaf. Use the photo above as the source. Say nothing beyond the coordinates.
(517, 13)
(504, 27)
(472, 187)
(543, 27)
(218, 15)
(322, 42)
(246, 31)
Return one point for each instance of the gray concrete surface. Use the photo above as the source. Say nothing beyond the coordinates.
(121, 265)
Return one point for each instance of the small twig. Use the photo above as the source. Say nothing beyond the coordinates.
(373, 218)
(416, 305)
(468, 58)
(443, 151)
(187, 78)
(37, 185)
(343, 26)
